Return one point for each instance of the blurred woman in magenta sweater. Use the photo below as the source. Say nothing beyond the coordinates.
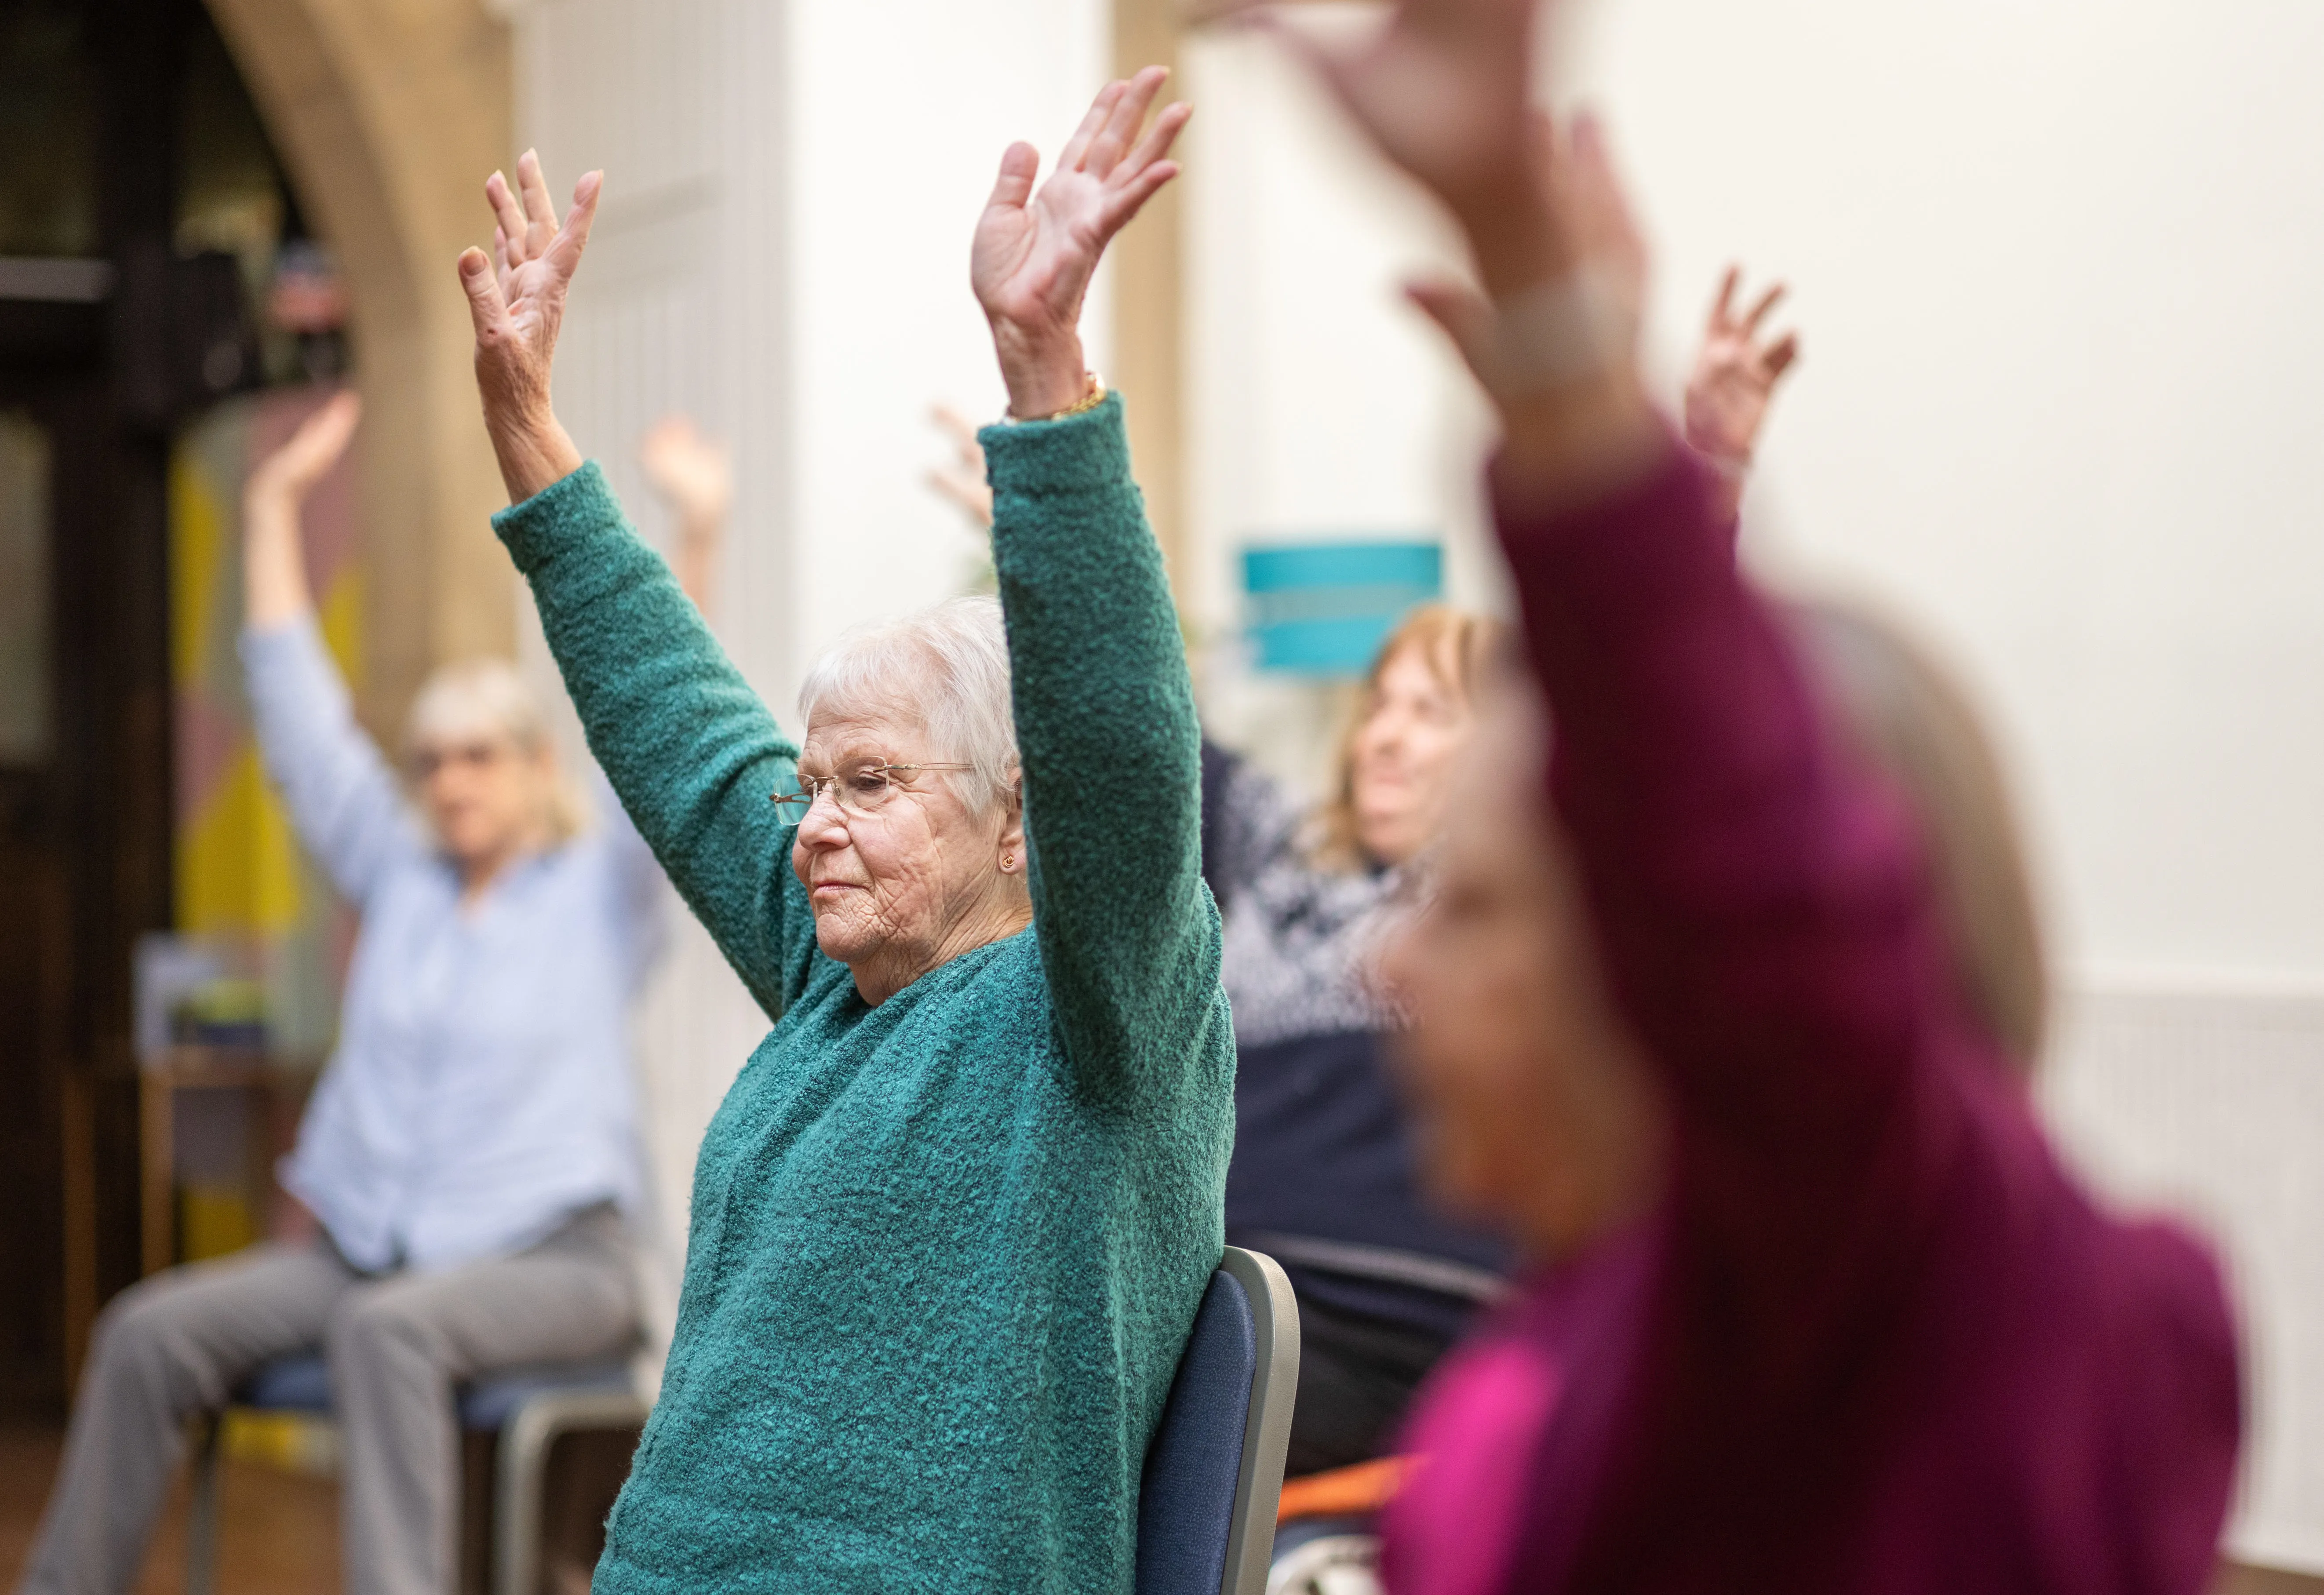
(1727, 1040)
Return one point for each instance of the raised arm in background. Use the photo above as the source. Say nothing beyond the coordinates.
(1733, 382)
(1104, 705)
(693, 753)
(695, 474)
(342, 797)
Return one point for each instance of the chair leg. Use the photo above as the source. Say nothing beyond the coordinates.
(520, 1461)
(202, 1514)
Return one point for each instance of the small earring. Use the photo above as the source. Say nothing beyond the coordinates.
(1008, 862)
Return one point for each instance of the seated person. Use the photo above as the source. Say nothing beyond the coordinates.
(1322, 1148)
(471, 1150)
(951, 1223)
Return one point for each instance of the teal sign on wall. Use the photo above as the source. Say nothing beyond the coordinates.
(1322, 609)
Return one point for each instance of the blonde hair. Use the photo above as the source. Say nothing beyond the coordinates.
(1462, 650)
(1913, 721)
(486, 697)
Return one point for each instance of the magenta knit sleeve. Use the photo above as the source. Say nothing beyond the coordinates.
(1760, 901)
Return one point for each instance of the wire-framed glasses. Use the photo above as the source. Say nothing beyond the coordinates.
(861, 790)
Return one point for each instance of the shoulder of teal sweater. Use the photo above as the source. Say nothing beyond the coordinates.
(570, 509)
(1077, 453)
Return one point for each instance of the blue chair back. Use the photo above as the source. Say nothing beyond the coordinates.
(1215, 1472)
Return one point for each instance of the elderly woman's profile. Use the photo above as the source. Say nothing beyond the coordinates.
(951, 1223)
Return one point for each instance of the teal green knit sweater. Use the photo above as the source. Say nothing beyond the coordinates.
(944, 1252)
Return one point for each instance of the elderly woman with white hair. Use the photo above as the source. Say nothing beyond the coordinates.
(472, 1148)
(951, 1224)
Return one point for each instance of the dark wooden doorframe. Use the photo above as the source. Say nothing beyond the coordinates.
(96, 822)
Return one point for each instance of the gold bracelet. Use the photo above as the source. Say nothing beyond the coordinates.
(1081, 405)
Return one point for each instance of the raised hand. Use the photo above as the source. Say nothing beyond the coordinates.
(1574, 169)
(516, 299)
(962, 481)
(1735, 376)
(1443, 90)
(292, 470)
(691, 469)
(274, 568)
(1034, 249)
(694, 473)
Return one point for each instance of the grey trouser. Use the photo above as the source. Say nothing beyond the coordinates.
(175, 1344)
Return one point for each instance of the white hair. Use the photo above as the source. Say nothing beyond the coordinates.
(475, 699)
(947, 665)
(485, 698)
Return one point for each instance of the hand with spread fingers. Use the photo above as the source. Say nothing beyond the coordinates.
(1036, 249)
(961, 482)
(695, 474)
(273, 565)
(1736, 372)
(1444, 89)
(517, 300)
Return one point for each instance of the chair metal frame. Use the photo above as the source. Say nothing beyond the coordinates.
(519, 1466)
(1267, 1426)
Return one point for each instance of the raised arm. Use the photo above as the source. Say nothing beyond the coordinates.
(1737, 368)
(1763, 915)
(342, 796)
(693, 753)
(1104, 707)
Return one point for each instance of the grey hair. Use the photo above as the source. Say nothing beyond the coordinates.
(948, 667)
(488, 697)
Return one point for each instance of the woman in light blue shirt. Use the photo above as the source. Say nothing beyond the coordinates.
(471, 1150)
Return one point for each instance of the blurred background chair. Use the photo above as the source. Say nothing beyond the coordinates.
(528, 1409)
(1206, 1507)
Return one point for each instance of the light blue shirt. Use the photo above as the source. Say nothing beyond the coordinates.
(482, 1089)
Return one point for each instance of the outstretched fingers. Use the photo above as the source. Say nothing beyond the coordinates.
(486, 307)
(1077, 151)
(509, 217)
(1122, 123)
(540, 209)
(1125, 202)
(1768, 301)
(564, 255)
(1020, 163)
(1784, 355)
(1159, 138)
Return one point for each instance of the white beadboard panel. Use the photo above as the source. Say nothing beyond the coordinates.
(2206, 1097)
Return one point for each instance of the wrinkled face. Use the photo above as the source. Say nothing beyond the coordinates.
(486, 795)
(896, 884)
(1533, 1109)
(1402, 757)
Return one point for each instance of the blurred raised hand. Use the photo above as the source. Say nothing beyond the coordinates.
(516, 299)
(273, 565)
(961, 480)
(694, 473)
(1443, 89)
(1736, 372)
(1035, 249)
